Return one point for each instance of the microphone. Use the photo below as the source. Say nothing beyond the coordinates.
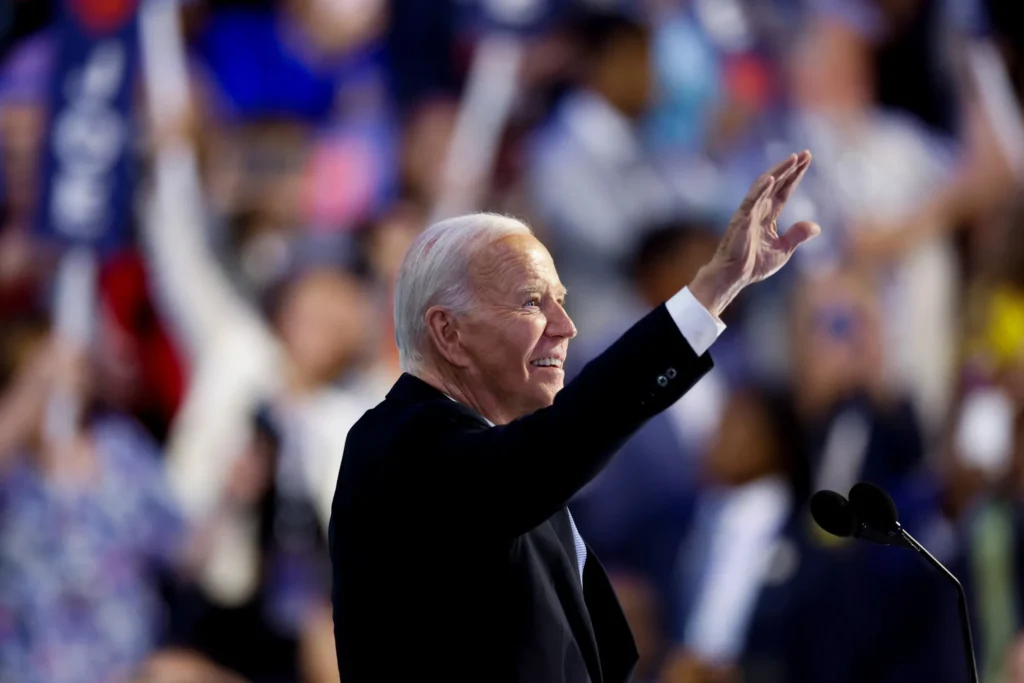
(871, 514)
(839, 517)
(833, 513)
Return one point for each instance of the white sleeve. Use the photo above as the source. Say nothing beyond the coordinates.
(698, 326)
(192, 291)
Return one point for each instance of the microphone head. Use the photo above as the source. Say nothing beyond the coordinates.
(874, 507)
(833, 513)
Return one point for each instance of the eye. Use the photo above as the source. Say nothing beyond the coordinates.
(533, 302)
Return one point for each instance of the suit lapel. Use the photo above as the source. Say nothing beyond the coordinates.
(565, 575)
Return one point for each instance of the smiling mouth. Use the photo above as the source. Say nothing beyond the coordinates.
(547, 363)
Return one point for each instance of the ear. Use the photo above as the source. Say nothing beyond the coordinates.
(444, 332)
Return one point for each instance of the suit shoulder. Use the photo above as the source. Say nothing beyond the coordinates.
(393, 428)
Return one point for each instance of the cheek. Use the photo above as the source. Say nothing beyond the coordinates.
(528, 337)
(508, 348)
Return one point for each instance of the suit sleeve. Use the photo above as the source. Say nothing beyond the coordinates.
(513, 477)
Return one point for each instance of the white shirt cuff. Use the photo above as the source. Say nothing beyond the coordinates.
(697, 325)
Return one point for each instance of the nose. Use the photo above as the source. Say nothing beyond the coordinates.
(560, 324)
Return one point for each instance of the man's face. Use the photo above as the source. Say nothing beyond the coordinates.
(517, 338)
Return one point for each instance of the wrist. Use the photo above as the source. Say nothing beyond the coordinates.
(714, 288)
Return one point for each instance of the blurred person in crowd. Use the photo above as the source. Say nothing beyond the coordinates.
(759, 484)
(145, 366)
(430, 516)
(874, 163)
(979, 438)
(142, 369)
(592, 182)
(985, 459)
(911, 44)
(384, 245)
(635, 513)
(86, 522)
(426, 137)
(282, 632)
(860, 423)
(688, 78)
(304, 360)
(270, 187)
(90, 530)
(290, 59)
(23, 78)
(296, 130)
(991, 46)
(714, 79)
(852, 602)
(22, 120)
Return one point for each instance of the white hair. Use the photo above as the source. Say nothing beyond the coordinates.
(435, 272)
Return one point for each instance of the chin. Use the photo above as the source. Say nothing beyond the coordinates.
(548, 392)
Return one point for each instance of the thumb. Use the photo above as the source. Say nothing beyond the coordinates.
(799, 233)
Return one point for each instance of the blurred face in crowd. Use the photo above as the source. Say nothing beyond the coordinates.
(324, 322)
(34, 366)
(674, 268)
(624, 74)
(425, 147)
(392, 237)
(21, 133)
(511, 347)
(337, 27)
(260, 170)
(837, 339)
(831, 69)
(746, 447)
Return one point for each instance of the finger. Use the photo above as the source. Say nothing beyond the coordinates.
(757, 190)
(786, 164)
(799, 233)
(800, 160)
(793, 175)
(785, 188)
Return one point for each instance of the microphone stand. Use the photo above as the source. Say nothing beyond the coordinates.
(961, 602)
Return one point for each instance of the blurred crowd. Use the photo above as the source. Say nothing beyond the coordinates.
(178, 533)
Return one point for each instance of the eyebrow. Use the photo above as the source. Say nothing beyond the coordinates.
(559, 292)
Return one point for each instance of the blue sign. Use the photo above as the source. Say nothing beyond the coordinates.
(86, 193)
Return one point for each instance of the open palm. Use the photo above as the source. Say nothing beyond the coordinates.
(752, 248)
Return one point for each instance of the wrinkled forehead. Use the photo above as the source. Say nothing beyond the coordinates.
(514, 263)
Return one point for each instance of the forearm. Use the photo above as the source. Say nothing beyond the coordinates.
(984, 176)
(191, 288)
(21, 408)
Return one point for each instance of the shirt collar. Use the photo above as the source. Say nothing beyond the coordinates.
(491, 424)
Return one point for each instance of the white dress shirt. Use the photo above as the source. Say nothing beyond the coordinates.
(699, 327)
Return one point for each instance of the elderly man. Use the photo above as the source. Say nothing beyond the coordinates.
(454, 555)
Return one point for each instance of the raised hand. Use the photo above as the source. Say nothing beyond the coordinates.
(752, 248)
